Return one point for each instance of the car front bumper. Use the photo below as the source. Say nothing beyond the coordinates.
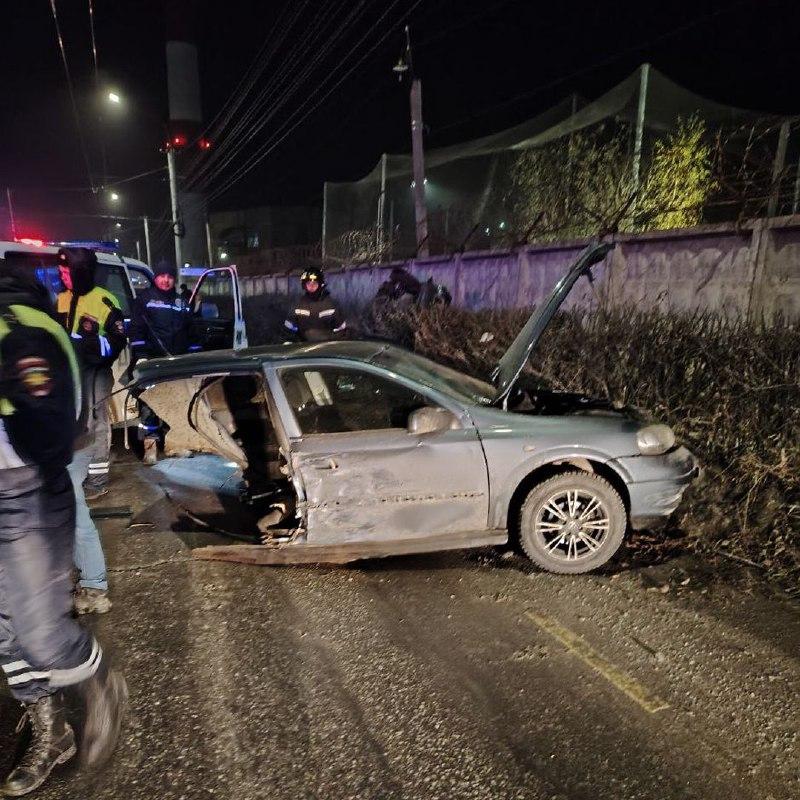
(656, 484)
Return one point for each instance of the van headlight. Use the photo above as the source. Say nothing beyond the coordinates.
(655, 440)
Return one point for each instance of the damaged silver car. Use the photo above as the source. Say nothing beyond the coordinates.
(361, 449)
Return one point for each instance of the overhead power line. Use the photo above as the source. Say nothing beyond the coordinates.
(234, 107)
(137, 177)
(94, 44)
(254, 71)
(108, 185)
(293, 122)
(75, 111)
(273, 96)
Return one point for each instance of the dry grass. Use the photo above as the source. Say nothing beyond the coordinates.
(731, 391)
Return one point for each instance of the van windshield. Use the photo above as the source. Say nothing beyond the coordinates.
(109, 276)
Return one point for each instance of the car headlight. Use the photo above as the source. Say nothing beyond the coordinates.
(655, 440)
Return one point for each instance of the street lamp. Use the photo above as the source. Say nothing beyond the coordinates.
(114, 98)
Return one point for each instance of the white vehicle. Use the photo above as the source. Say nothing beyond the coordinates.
(216, 300)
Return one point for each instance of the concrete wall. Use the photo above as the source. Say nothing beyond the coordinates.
(753, 270)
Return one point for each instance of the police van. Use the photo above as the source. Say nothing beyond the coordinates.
(216, 300)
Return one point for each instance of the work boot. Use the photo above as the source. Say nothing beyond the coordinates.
(52, 742)
(150, 451)
(106, 701)
(91, 601)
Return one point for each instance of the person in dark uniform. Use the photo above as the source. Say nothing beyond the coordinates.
(43, 650)
(315, 317)
(161, 326)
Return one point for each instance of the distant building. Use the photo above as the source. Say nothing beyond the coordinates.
(267, 238)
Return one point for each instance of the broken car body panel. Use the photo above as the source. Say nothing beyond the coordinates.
(385, 484)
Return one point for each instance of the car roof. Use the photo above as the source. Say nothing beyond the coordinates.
(249, 357)
(102, 256)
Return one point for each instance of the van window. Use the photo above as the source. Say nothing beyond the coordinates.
(113, 278)
(109, 276)
(139, 278)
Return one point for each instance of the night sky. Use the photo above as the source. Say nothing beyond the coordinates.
(485, 64)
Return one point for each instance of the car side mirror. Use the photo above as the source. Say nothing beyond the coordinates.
(431, 419)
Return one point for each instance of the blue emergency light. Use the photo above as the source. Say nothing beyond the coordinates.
(90, 244)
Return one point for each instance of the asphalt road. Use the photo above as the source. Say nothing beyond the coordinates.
(445, 676)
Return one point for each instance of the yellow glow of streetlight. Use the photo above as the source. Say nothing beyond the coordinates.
(114, 196)
(113, 97)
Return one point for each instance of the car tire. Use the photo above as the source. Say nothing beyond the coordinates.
(572, 523)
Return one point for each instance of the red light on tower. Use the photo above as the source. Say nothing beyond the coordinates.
(178, 140)
(204, 144)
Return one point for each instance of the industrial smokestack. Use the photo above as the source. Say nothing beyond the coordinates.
(185, 116)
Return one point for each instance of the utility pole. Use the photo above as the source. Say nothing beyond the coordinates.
(381, 221)
(147, 240)
(406, 64)
(324, 249)
(777, 168)
(173, 196)
(209, 243)
(11, 214)
(185, 124)
(644, 80)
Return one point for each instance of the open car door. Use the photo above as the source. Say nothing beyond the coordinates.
(217, 314)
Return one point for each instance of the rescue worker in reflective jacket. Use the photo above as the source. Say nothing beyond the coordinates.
(92, 316)
(315, 317)
(43, 650)
(161, 326)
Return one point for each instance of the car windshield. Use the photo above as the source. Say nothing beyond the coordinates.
(435, 376)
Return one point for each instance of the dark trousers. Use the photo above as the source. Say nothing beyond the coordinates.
(42, 647)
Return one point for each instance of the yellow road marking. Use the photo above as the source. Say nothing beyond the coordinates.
(586, 653)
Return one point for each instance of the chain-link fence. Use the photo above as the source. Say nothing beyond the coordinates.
(477, 198)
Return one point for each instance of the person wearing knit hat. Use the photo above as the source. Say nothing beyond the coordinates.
(161, 326)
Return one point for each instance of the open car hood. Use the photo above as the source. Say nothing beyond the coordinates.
(513, 361)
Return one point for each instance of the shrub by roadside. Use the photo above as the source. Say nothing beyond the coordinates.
(730, 390)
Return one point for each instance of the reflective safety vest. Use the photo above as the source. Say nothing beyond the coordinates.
(33, 318)
(72, 308)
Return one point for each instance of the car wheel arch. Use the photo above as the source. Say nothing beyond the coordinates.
(556, 467)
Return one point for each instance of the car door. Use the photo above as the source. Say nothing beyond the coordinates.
(365, 477)
(217, 315)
